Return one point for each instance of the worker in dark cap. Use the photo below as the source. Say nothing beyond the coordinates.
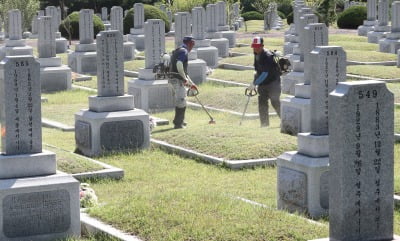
(179, 65)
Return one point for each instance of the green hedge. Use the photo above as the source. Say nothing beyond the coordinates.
(289, 18)
(252, 15)
(72, 22)
(352, 17)
(150, 12)
(282, 15)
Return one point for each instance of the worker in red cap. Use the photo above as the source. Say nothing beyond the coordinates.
(180, 80)
(267, 79)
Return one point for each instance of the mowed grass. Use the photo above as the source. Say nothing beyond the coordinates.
(166, 197)
(226, 139)
(395, 89)
(61, 106)
(227, 97)
(257, 26)
(72, 163)
(375, 71)
(93, 83)
(240, 76)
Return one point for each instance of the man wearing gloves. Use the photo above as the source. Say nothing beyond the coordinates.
(267, 78)
(180, 79)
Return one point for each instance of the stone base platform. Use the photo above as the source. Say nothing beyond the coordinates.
(288, 48)
(14, 51)
(53, 75)
(387, 45)
(83, 62)
(138, 39)
(129, 50)
(303, 184)
(231, 36)
(395, 238)
(374, 36)
(61, 45)
(209, 55)
(197, 70)
(151, 95)
(290, 80)
(295, 115)
(367, 26)
(97, 133)
(222, 44)
(43, 163)
(40, 208)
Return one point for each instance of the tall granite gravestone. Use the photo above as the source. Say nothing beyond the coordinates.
(303, 175)
(149, 93)
(267, 20)
(34, 24)
(116, 17)
(203, 46)
(197, 68)
(216, 39)
(295, 110)
(171, 23)
(391, 43)
(36, 203)
(111, 123)
(137, 32)
(291, 36)
(61, 43)
(54, 76)
(15, 45)
(276, 22)
(83, 59)
(371, 19)
(296, 76)
(381, 27)
(361, 162)
(223, 26)
(104, 18)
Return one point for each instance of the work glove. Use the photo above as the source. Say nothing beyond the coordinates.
(251, 87)
(193, 87)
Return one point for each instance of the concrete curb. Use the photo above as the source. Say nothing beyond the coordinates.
(383, 63)
(228, 82)
(235, 67)
(83, 88)
(236, 54)
(56, 125)
(92, 226)
(232, 164)
(129, 73)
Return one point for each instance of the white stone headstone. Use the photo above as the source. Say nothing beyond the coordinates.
(221, 13)
(182, 27)
(46, 38)
(20, 106)
(104, 14)
(212, 21)
(328, 68)
(383, 12)
(138, 20)
(86, 29)
(199, 23)
(371, 10)
(110, 63)
(116, 18)
(52, 11)
(395, 16)
(361, 161)
(155, 43)
(14, 25)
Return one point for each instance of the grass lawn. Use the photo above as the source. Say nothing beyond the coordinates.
(369, 56)
(61, 106)
(240, 76)
(134, 65)
(71, 163)
(224, 138)
(395, 89)
(257, 26)
(376, 71)
(247, 60)
(165, 197)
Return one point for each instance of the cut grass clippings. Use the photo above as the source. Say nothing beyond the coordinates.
(227, 139)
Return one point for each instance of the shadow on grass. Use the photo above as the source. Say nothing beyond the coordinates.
(164, 130)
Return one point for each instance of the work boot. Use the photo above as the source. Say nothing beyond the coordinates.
(179, 117)
(263, 112)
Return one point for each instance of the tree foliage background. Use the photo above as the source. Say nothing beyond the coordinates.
(28, 9)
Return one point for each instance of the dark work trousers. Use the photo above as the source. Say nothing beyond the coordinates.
(271, 91)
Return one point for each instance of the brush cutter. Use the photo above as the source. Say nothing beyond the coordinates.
(194, 92)
(249, 93)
